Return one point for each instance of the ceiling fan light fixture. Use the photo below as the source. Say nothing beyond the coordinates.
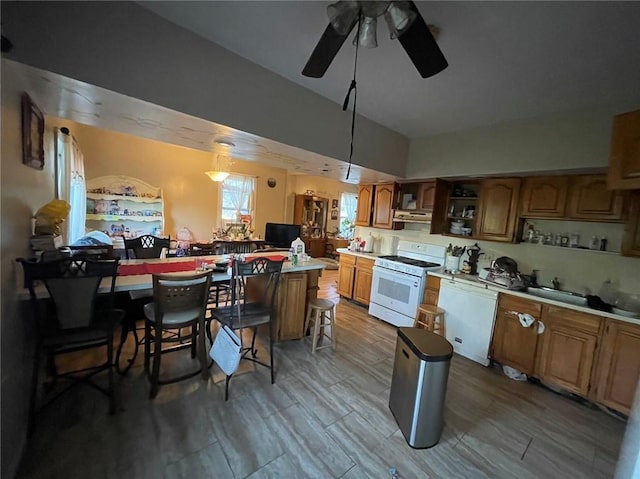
(342, 15)
(399, 18)
(368, 34)
(217, 176)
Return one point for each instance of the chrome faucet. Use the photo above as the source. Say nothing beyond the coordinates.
(556, 283)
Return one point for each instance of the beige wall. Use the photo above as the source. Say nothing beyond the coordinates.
(24, 190)
(323, 187)
(191, 199)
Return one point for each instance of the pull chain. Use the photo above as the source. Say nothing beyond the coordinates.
(353, 87)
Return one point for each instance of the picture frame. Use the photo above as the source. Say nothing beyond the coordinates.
(32, 134)
(334, 203)
(334, 214)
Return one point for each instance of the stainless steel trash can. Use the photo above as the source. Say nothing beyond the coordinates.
(419, 385)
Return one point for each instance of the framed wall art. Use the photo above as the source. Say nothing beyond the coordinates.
(32, 134)
(334, 214)
(334, 203)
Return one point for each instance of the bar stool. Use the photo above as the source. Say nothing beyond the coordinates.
(431, 318)
(322, 313)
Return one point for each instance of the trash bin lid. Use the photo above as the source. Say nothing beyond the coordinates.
(426, 345)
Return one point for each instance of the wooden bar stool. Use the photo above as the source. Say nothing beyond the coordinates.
(431, 318)
(322, 313)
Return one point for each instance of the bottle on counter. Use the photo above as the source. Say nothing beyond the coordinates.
(603, 243)
(298, 247)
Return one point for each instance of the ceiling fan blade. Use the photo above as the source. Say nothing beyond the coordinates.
(422, 47)
(325, 51)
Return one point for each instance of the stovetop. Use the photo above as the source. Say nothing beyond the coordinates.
(410, 261)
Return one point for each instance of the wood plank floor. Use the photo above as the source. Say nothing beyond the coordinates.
(326, 416)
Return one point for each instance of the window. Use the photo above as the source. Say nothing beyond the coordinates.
(348, 203)
(70, 184)
(237, 198)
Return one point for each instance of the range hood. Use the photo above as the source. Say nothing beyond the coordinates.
(411, 216)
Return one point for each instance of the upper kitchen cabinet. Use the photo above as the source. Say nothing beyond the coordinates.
(631, 238)
(544, 196)
(624, 162)
(498, 209)
(418, 196)
(589, 199)
(364, 205)
(384, 200)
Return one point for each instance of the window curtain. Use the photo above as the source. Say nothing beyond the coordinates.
(350, 203)
(71, 185)
(239, 190)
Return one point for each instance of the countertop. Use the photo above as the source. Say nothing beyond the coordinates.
(473, 280)
(362, 254)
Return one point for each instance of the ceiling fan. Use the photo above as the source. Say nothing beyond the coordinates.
(404, 22)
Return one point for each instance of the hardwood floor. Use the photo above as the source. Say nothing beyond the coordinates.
(327, 416)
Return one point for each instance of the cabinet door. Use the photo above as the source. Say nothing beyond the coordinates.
(365, 201)
(513, 344)
(544, 197)
(568, 348)
(362, 285)
(292, 301)
(624, 162)
(346, 275)
(427, 196)
(631, 238)
(384, 198)
(315, 247)
(619, 366)
(498, 209)
(589, 199)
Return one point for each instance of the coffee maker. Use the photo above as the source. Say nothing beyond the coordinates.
(474, 255)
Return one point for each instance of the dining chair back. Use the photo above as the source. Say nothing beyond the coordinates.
(253, 288)
(179, 301)
(145, 247)
(68, 319)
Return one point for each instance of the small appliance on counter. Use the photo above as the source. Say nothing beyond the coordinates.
(504, 273)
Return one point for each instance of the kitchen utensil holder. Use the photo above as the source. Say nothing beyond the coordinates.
(452, 264)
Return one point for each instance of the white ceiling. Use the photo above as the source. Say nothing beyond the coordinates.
(507, 60)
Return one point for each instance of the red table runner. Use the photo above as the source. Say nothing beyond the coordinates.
(173, 267)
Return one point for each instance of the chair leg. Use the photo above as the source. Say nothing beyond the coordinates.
(332, 318)
(194, 332)
(226, 388)
(207, 328)
(34, 390)
(157, 354)
(112, 392)
(271, 365)
(147, 345)
(254, 352)
(307, 320)
(316, 330)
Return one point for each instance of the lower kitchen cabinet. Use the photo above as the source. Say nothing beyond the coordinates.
(432, 291)
(346, 275)
(512, 343)
(618, 367)
(291, 300)
(567, 348)
(362, 282)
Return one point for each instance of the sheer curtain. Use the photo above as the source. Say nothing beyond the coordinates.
(348, 205)
(237, 196)
(71, 185)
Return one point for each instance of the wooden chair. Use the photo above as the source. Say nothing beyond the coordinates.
(146, 246)
(431, 318)
(179, 301)
(253, 289)
(69, 320)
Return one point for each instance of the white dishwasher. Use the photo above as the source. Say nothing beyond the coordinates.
(469, 314)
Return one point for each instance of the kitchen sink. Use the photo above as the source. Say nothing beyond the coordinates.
(558, 295)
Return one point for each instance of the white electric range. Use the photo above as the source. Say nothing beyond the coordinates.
(398, 282)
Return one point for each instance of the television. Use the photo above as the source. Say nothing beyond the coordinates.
(280, 235)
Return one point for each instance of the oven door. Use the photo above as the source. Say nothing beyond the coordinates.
(400, 292)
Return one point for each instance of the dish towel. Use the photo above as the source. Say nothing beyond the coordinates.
(526, 320)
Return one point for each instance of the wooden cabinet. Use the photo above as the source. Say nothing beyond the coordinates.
(498, 209)
(618, 367)
(362, 281)
(589, 199)
(624, 162)
(291, 303)
(631, 238)
(513, 344)
(568, 346)
(544, 196)
(315, 247)
(346, 275)
(432, 290)
(426, 196)
(364, 205)
(384, 200)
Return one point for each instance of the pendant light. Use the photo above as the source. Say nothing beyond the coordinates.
(216, 174)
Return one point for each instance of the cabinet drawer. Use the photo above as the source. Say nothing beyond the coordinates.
(521, 305)
(348, 259)
(364, 263)
(433, 282)
(570, 319)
